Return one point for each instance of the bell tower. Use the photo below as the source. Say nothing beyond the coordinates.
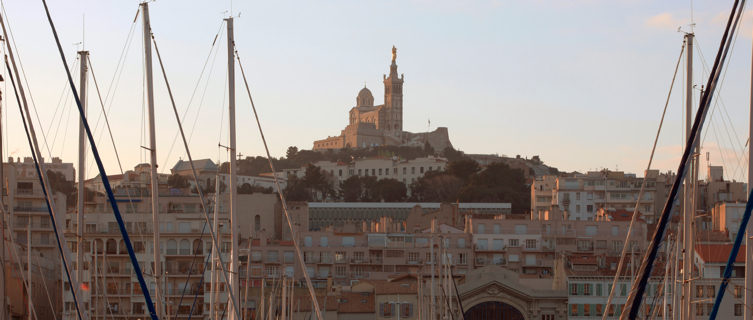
(393, 99)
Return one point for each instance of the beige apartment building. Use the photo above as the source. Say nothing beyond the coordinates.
(29, 228)
(580, 196)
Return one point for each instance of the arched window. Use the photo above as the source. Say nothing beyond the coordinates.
(257, 223)
(172, 247)
(197, 246)
(185, 247)
(112, 246)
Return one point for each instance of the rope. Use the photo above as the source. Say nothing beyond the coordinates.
(12, 41)
(103, 175)
(643, 186)
(215, 241)
(195, 89)
(293, 231)
(636, 293)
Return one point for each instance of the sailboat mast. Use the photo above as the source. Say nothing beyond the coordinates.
(432, 301)
(157, 268)
(4, 311)
(213, 274)
(687, 208)
(234, 226)
(29, 302)
(82, 55)
(748, 315)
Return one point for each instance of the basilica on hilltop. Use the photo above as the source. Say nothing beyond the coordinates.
(379, 125)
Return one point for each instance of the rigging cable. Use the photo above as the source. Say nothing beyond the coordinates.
(215, 240)
(293, 231)
(42, 178)
(103, 175)
(643, 186)
(195, 89)
(636, 293)
(11, 40)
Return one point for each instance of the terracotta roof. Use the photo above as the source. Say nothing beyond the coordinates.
(396, 287)
(718, 253)
(356, 302)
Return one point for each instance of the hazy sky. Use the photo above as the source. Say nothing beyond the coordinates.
(580, 83)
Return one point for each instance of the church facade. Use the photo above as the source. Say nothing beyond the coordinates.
(372, 125)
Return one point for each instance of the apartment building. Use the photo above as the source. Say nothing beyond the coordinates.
(582, 195)
(29, 228)
(406, 171)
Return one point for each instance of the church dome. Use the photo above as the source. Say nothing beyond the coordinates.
(365, 98)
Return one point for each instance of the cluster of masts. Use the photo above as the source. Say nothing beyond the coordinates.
(445, 304)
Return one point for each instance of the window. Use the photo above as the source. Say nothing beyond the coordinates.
(481, 228)
(461, 243)
(521, 229)
(738, 309)
(272, 256)
(699, 291)
(496, 229)
(739, 292)
(573, 309)
(287, 256)
(598, 289)
(587, 289)
(348, 241)
(482, 244)
(340, 256)
(323, 241)
(406, 310)
(498, 244)
(340, 271)
(710, 291)
(184, 227)
(514, 243)
(307, 241)
(531, 244)
(386, 309)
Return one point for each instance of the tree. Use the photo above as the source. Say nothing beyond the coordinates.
(391, 190)
(428, 149)
(292, 152)
(177, 181)
(351, 189)
(436, 186)
(463, 169)
(245, 189)
(58, 183)
(296, 190)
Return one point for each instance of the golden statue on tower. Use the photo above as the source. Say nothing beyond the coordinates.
(394, 53)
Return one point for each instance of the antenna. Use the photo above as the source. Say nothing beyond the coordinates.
(83, 31)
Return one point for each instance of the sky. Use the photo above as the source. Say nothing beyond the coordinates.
(580, 83)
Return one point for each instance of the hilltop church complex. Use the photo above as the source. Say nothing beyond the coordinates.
(382, 125)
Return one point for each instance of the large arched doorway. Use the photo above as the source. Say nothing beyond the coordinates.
(493, 310)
